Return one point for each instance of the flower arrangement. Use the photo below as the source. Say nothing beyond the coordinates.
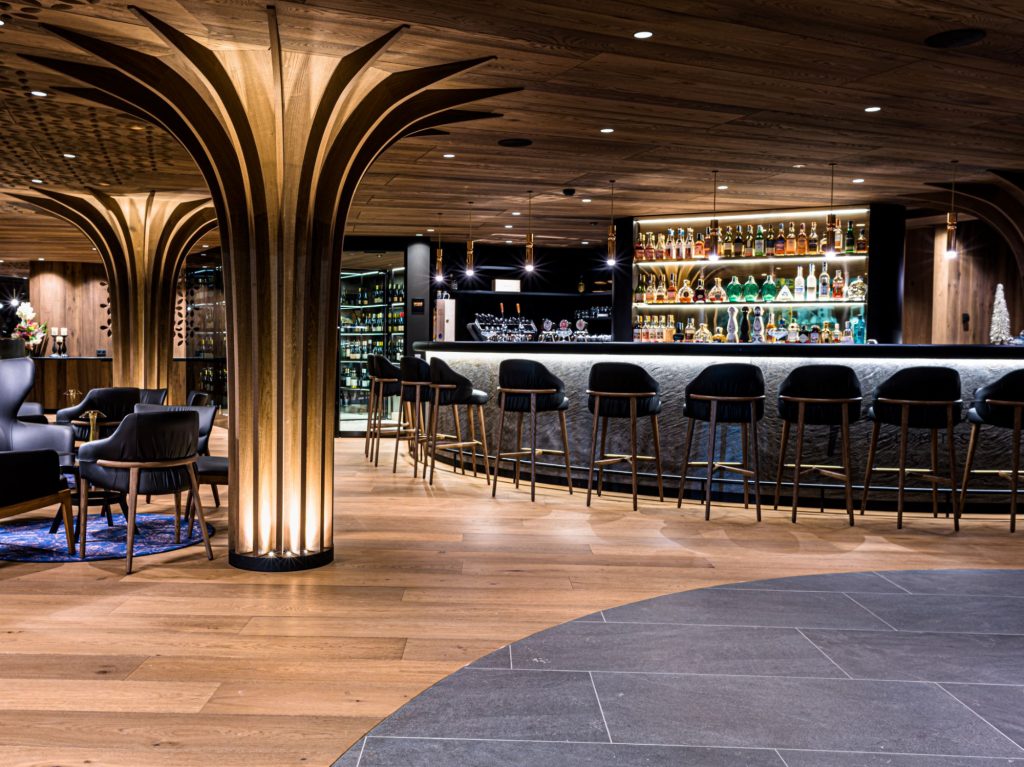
(28, 330)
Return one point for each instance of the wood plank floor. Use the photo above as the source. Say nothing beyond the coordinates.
(188, 662)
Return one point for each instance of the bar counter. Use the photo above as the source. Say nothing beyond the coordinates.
(675, 365)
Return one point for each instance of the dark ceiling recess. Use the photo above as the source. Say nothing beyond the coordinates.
(514, 142)
(955, 38)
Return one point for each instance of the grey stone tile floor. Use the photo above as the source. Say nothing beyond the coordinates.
(886, 669)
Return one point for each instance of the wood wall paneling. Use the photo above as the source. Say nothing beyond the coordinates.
(70, 295)
(56, 377)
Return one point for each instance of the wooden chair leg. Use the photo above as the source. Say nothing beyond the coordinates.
(902, 483)
(198, 507)
(657, 456)
(601, 455)
(108, 515)
(783, 444)
(533, 448)
(497, 454)
(934, 470)
(83, 514)
(481, 417)
(688, 442)
(368, 439)
(458, 438)
(565, 449)
(797, 466)
(471, 417)
(632, 447)
(177, 517)
(757, 460)
(69, 523)
(216, 495)
(872, 447)
(593, 448)
(847, 467)
(518, 448)
(972, 445)
(712, 428)
(133, 503)
(1014, 468)
(745, 458)
(952, 468)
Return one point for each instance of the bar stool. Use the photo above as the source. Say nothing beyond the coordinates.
(819, 395)
(998, 404)
(917, 398)
(416, 397)
(449, 389)
(526, 386)
(622, 390)
(385, 382)
(730, 393)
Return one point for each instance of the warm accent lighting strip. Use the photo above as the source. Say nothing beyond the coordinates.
(722, 262)
(769, 304)
(757, 214)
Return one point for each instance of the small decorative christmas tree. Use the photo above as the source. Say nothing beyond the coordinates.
(999, 333)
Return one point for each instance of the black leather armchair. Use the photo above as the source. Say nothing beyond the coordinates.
(16, 377)
(30, 480)
(152, 396)
(114, 402)
(152, 453)
(197, 398)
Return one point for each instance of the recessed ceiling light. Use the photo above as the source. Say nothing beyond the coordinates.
(2, 22)
(69, 156)
(607, 130)
(585, 199)
(723, 186)
(872, 109)
(136, 127)
(206, 246)
(584, 242)
(39, 94)
(430, 230)
(856, 181)
(41, 258)
(799, 165)
(1, 260)
(508, 226)
(448, 155)
(508, 242)
(643, 35)
(419, 234)
(37, 181)
(516, 213)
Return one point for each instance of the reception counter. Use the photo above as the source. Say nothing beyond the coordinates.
(674, 365)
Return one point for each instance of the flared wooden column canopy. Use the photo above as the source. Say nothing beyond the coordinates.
(142, 240)
(282, 138)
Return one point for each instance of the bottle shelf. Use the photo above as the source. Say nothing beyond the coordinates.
(360, 333)
(362, 306)
(751, 261)
(768, 304)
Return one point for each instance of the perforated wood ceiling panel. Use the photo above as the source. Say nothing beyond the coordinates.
(752, 87)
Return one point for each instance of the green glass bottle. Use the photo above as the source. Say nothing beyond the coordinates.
(750, 289)
(734, 291)
(769, 289)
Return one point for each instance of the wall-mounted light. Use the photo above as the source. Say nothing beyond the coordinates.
(951, 248)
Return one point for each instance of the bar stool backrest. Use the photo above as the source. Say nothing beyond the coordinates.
(820, 382)
(388, 369)
(1009, 388)
(729, 379)
(415, 370)
(372, 365)
(931, 386)
(623, 378)
(530, 374)
(442, 375)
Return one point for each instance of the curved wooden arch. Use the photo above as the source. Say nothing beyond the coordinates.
(142, 241)
(282, 170)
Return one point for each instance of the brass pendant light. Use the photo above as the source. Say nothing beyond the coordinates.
(951, 247)
(529, 233)
(830, 218)
(610, 260)
(439, 259)
(469, 245)
(713, 234)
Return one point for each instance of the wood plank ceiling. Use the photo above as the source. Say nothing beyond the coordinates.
(767, 92)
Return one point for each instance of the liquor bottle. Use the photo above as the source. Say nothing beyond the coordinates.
(668, 331)
(703, 335)
(645, 330)
(857, 290)
(739, 243)
(851, 238)
(826, 333)
(732, 327)
(793, 331)
(685, 244)
(824, 284)
(660, 290)
(769, 241)
(750, 289)
(744, 325)
(698, 245)
(689, 331)
(748, 242)
(757, 326)
(734, 291)
(838, 286)
(649, 289)
(791, 240)
(768, 288)
(649, 249)
(670, 246)
(699, 293)
(769, 328)
(801, 240)
(581, 286)
(681, 243)
(862, 240)
(811, 285)
(670, 292)
(813, 241)
(805, 335)
(785, 294)
(799, 286)
(814, 337)
(685, 294)
(860, 331)
(717, 293)
(759, 242)
(638, 292)
(725, 246)
(838, 237)
(661, 249)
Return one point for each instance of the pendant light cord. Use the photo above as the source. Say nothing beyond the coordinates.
(952, 189)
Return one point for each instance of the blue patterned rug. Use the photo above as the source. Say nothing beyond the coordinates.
(29, 540)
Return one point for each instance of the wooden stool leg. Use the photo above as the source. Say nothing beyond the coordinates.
(435, 415)
(870, 466)
(783, 444)
(935, 471)
(902, 483)
(711, 460)
(688, 442)
(133, 502)
(801, 410)
(404, 406)
(632, 446)
(481, 416)
(1014, 468)
(83, 514)
(458, 438)
(745, 459)
(420, 426)
(593, 448)
(972, 445)
(177, 517)
(847, 467)
(471, 417)
(518, 448)
(757, 460)
(382, 404)
(604, 444)
(565, 449)
(952, 468)
(657, 456)
(369, 420)
(533, 447)
(501, 434)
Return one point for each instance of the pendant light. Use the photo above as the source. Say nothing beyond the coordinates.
(529, 233)
(713, 236)
(469, 244)
(611, 229)
(951, 249)
(439, 259)
(830, 218)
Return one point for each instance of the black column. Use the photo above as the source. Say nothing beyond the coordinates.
(417, 293)
(887, 228)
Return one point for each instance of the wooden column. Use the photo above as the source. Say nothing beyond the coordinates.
(143, 240)
(283, 138)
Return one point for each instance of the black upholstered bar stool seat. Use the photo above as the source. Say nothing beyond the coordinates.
(620, 390)
(385, 383)
(730, 393)
(922, 397)
(999, 404)
(818, 395)
(527, 387)
(449, 389)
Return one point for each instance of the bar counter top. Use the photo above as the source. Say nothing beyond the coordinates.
(825, 351)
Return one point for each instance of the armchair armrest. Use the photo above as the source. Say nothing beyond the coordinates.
(29, 474)
(40, 436)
